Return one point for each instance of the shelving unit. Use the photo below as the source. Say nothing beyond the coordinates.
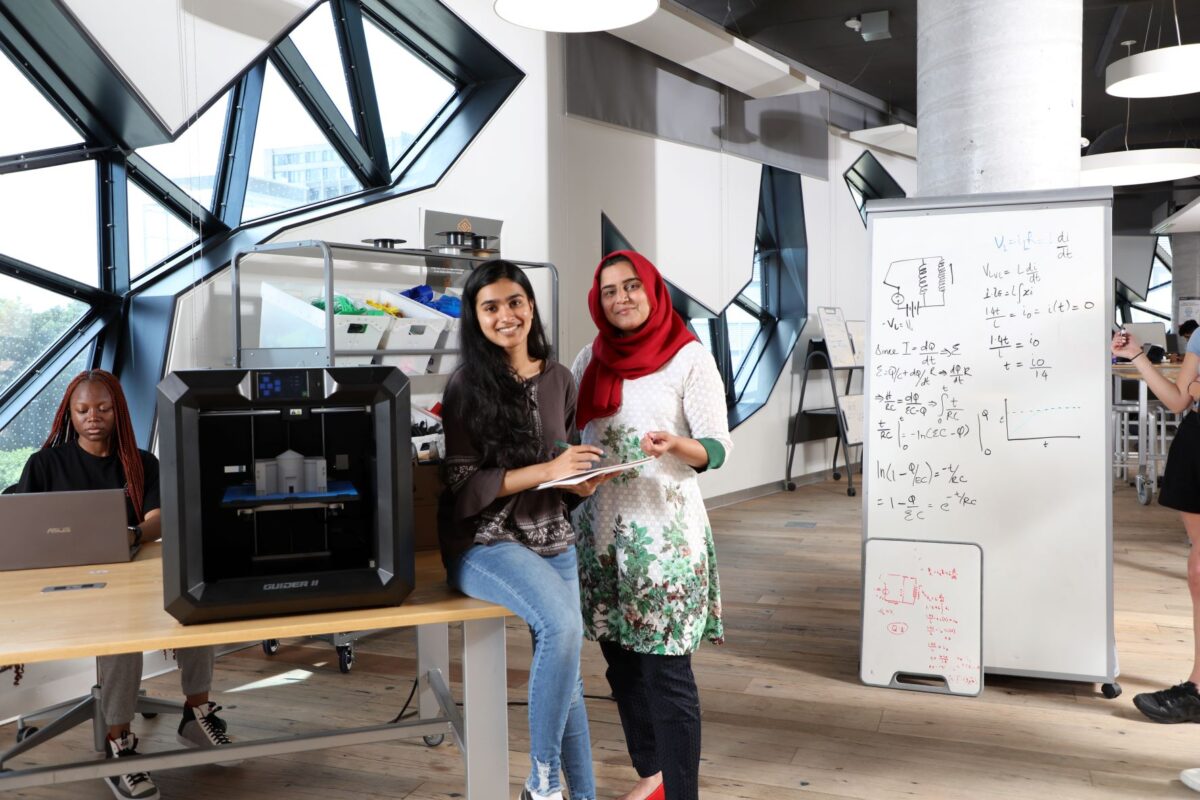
(818, 359)
(836, 353)
(321, 259)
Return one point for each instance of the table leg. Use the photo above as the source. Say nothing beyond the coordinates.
(485, 708)
(433, 652)
(1143, 434)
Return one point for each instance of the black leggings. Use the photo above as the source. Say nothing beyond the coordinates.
(660, 713)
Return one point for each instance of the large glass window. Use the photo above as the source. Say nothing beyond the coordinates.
(29, 429)
(31, 320)
(316, 39)
(154, 232)
(286, 132)
(1158, 304)
(31, 122)
(49, 219)
(409, 91)
(191, 161)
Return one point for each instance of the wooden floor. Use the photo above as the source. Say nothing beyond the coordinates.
(784, 714)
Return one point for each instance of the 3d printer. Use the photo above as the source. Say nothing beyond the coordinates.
(284, 490)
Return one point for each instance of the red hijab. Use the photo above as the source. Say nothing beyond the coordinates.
(617, 358)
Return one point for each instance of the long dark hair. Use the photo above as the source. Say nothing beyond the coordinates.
(123, 440)
(496, 405)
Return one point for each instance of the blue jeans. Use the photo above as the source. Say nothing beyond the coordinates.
(543, 591)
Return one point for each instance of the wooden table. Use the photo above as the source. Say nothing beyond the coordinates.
(1147, 477)
(126, 615)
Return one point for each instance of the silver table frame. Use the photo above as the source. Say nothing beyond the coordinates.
(480, 728)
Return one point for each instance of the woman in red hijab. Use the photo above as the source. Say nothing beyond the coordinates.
(648, 572)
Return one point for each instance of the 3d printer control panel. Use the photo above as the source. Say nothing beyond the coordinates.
(281, 385)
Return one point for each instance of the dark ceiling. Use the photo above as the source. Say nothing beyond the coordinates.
(813, 33)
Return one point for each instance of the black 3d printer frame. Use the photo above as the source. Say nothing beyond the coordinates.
(187, 595)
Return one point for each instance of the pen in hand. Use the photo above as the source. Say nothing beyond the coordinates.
(567, 446)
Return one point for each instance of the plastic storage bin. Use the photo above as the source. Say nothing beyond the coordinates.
(289, 321)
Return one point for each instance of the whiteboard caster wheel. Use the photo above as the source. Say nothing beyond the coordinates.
(1111, 690)
(434, 740)
(345, 657)
(789, 486)
(837, 476)
(1143, 490)
(270, 646)
(851, 491)
(25, 732)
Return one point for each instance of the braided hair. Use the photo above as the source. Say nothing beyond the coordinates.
(124, 442)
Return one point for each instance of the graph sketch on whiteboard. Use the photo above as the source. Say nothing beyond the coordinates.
(1044, 422)
(918, 283)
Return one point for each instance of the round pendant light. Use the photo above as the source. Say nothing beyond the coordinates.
(1131, 167)
(575, 16)
(1165, 72)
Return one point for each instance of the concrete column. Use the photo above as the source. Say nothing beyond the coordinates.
(1185, 269)
(998, 95)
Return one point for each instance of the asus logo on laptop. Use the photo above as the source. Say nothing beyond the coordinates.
(291, 585)
(58, 530)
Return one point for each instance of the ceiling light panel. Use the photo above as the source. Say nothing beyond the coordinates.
(1165, 72)
(574, 16)
(1133, 167)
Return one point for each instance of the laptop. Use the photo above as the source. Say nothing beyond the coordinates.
(63, 529)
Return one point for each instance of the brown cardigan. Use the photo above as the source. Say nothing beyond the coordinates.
(469, 511)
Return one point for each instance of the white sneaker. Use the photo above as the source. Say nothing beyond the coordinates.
(1191, 778)
(132, 785)
(201, 727)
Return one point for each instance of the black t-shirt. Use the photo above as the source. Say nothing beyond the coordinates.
(70, 468)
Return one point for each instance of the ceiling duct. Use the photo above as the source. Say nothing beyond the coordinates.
(692, 41)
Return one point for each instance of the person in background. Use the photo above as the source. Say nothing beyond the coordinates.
(91, 446)
(1180, 490)
(505, 410)
(647, 564)
(1186, 329)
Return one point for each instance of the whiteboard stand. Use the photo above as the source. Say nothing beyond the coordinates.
(835, 354)
(988, 410)
(922, 616)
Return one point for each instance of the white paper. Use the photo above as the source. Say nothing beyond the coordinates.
(580, 477)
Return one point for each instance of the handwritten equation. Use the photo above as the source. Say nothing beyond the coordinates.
(966, 363)
(917, 610)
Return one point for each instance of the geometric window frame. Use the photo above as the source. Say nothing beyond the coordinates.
(867, 179)
(131, 319)
(780, 309)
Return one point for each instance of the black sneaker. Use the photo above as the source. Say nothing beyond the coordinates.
(1180, 703)
(132, 785)
(201, 727)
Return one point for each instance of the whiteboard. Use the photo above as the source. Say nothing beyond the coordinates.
(837, 337)
(852, 417)
(922, 614)
(987, 416)
(1189, 308)
(857, 329)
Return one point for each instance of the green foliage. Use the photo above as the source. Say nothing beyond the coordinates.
(25, 334)
(11, 464)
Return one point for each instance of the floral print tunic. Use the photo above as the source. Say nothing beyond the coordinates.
(647, 567)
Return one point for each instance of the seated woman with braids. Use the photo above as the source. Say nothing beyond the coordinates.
(92, 446)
